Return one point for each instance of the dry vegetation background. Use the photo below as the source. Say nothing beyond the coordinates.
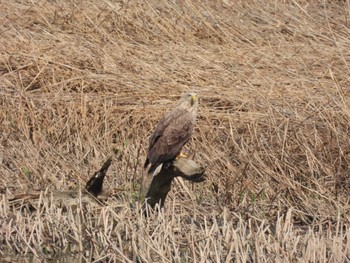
(81, 80)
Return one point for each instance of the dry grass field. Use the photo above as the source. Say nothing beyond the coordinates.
(83, 80)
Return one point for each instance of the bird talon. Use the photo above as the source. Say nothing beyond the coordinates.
(181, 155)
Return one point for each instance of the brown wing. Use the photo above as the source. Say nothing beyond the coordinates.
(171, 133)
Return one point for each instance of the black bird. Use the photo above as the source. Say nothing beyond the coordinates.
(94, 185)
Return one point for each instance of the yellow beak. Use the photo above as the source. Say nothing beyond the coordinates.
(193, 99)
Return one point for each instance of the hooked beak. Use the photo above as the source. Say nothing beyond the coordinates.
(193, 99)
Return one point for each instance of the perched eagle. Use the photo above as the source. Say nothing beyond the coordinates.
(172, 132)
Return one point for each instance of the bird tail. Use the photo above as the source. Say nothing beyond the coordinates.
(152, 168)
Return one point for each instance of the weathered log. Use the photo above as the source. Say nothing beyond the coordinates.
(93, 188)
(155, 188)
(69, 198)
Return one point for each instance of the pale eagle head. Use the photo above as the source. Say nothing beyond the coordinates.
(189, 102)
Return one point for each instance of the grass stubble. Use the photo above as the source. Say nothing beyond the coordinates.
(82, 80)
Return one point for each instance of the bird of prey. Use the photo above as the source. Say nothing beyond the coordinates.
(94, 185)
(172, 132)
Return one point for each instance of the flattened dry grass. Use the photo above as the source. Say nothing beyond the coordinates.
(83, 80)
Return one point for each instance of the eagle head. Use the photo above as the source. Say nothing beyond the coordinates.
(189, 101)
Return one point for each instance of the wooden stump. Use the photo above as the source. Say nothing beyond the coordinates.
(155, 188)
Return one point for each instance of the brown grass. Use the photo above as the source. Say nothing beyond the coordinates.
(81, 80)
